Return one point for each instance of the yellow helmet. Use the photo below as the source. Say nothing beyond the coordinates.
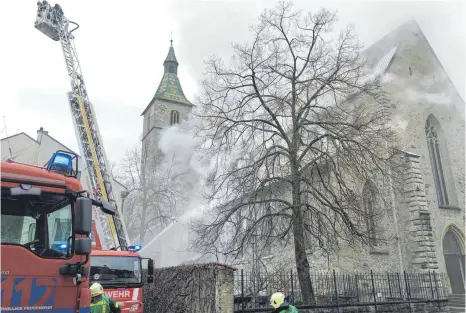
(96, 289)
(277, 299)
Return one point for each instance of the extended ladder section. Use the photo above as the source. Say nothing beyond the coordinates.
(110, 230)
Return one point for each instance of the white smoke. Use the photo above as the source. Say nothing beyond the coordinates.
(389, 78)
(412, 93)
(421, 91)
(179, 141)
(420, 96)
(399, 124)
(179, 146)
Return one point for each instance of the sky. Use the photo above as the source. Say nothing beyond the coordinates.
(121, 48)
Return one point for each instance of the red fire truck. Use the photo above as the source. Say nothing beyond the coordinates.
(45, 246)
(120, 273)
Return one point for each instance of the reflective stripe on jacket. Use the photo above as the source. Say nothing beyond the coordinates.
(104, 304)
(289, 309)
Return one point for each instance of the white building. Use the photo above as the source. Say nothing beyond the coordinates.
(23, 148)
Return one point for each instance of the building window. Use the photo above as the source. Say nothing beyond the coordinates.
(453, 252)
(174, 117)
(369, 199)
(307, 220)
(308, 242)
(433, 144)
(268, 230)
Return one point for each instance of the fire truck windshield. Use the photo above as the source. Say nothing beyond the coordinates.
(116, 270)
(43, 226)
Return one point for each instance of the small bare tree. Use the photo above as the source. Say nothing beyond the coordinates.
(154, 191)
(295, 127)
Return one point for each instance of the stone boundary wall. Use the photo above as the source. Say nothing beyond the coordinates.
(198, 288)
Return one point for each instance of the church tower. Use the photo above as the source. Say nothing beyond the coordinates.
(168, 106)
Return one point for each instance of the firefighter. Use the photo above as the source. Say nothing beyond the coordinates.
(278, 301)
(58, 13)
(100, 303)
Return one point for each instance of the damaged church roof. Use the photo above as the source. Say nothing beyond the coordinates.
(380, 55)
(389, 43)
(383, 64)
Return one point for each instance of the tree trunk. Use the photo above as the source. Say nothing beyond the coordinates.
(142, 226)
(302, 264)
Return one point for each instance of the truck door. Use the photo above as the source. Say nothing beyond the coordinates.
(34, 244)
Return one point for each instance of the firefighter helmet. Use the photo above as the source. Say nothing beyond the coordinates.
(96, 289)
(277, 299)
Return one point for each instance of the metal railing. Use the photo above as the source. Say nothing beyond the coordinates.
(338, 289)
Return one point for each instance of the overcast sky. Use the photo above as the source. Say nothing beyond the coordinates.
(122, 45)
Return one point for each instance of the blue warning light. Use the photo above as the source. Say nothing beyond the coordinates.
(62, 163)
(134, 248)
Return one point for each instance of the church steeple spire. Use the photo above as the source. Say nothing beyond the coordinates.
(171, 64)
(170, 88)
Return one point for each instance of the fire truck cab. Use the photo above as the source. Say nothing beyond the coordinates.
(45, 246)
(121, 275)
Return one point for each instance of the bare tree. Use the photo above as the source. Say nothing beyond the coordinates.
(294, 124)
(154, 191)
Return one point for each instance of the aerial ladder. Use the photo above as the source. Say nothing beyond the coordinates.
(109, 232)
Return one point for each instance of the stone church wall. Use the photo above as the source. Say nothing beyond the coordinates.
(417, 87)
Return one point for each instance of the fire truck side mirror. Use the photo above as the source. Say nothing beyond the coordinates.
(83, 216)
(82, 246)
(150, 267)
(150, 270)
(150, 279)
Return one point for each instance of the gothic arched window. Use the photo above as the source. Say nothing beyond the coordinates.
(433, 144)
(368, 196)
(174, 117)
(453, 252)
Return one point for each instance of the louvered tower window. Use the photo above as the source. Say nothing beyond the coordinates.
(174, 117)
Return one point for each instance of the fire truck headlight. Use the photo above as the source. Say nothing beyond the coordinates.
(134, 307)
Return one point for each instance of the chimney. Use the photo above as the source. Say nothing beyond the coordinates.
(40, 132)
